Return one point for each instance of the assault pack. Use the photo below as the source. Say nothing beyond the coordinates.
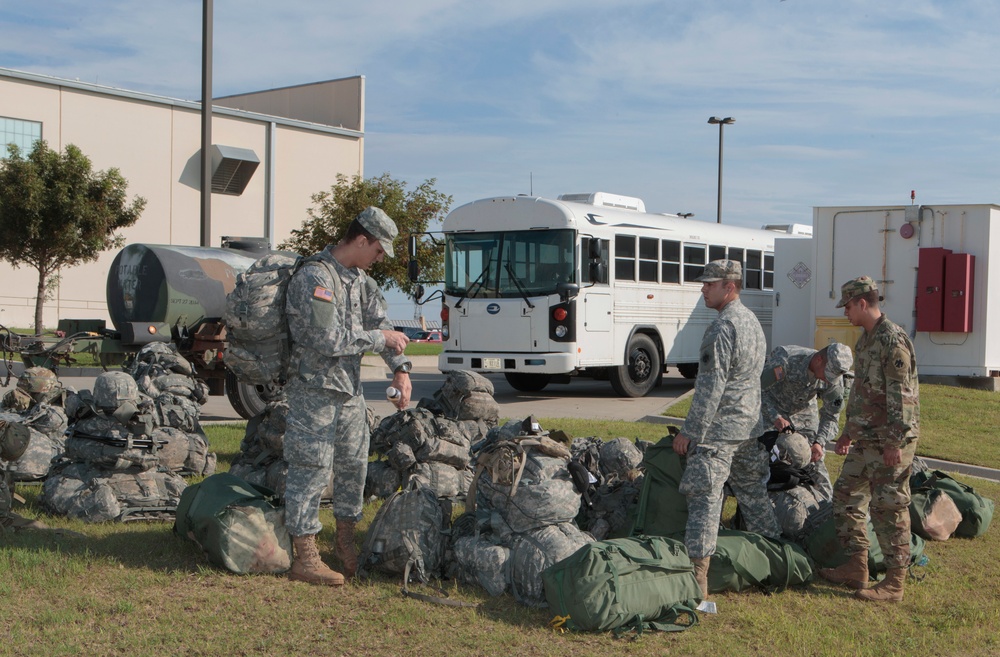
(259, 344)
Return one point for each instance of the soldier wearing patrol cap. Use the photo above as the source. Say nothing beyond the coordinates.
(792, 380)
(883, 423)
(724, 410)
(336, 313)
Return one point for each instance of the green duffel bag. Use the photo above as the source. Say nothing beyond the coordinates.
(744, 560)
(826, 551)
(640, 583)
(662, 508)
(977, 511)
(238, 525)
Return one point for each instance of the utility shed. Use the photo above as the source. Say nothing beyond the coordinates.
(934, 266)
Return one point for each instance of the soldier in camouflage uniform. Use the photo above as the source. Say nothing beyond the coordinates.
(335, 314)
(793, 378)
(725, 407)
(883, 423)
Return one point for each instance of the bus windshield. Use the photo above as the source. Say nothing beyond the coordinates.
(502, 264)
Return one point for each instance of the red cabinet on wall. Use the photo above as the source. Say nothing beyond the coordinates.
(959, 272)
(930, 289)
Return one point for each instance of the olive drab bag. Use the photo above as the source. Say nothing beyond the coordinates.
(745, 560)
(643, 582)
(977, 511)
(662, 508)
(236, 524)
(259, 345)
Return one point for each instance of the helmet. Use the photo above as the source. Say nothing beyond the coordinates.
(112, 389)
(39, 382)
(14, 438)
(793, 449)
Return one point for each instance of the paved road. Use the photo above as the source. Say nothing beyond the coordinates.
(583, 398)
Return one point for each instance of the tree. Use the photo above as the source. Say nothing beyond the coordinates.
(56, 212)
(412, 211)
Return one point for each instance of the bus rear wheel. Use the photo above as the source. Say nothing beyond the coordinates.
(527, 382)
(641, 370)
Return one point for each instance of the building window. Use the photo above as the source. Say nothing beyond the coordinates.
(23, 134)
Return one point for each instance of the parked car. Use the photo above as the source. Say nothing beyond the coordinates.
(427, 336)
(410, 331)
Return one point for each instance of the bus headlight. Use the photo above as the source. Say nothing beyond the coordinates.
(561, 331)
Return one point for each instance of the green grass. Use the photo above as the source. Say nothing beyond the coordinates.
(956, 424)
(137, 589)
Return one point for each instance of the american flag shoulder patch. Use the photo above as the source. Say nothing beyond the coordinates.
(323, 294)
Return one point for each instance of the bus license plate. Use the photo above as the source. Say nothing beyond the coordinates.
(491, 363)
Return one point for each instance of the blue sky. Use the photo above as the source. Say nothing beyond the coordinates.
(837, 102)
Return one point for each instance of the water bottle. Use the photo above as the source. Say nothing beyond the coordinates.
(392, 394)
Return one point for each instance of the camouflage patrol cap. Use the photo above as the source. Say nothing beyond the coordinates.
(112, 389)
(855, 288)
(793, 449)
(839, 360)
(38, 380)
(721, 270)
(381, 227)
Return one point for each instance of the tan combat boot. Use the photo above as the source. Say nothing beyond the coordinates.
(344, 548)
(701, 574)
(889, 589)
(308, 567)
(854, 573)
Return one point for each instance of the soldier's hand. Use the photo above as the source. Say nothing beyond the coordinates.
(843, 444)
(817, 452)
(401, 382)
(395, 340)
(681, 443)
(781, 423)
(892, 456)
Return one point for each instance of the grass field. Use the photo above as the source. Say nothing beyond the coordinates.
(956, 424)
(137, 589)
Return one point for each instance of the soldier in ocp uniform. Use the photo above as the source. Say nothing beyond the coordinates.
(335, 315)
(724, 410)
(793, 378)
(883, 423)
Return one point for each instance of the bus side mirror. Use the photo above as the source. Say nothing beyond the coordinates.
(595, 249)
(598, 272)
(413, 270)
(567, 291)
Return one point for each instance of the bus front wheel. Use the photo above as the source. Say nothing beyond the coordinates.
(527, 382)
(641, 369)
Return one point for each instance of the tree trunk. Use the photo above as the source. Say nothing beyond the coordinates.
(40, 301)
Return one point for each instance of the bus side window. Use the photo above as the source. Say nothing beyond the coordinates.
(670, 261)
(625, 258)
(694, 262)
(768, 271)
(754, 271)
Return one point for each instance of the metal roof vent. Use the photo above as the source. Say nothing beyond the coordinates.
(232, 169)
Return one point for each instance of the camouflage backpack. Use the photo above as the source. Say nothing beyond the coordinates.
(408, 535)
(534, 551)
(37, 450)
(83, 491)
(259, 345)
(35, 385)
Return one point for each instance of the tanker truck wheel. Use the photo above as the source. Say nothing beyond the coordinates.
(247, 400)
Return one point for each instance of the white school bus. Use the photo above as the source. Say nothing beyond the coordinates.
(587, 285)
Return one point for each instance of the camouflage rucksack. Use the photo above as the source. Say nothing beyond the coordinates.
(80, 490)
(408, 535)
(259, 348)
(35, 385)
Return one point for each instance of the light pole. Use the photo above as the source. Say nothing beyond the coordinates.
(721, 122)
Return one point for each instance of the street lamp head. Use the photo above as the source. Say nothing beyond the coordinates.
(727, 121)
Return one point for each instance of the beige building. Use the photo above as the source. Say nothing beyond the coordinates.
(272, 150)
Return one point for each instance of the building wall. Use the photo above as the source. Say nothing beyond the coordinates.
(155, 143)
